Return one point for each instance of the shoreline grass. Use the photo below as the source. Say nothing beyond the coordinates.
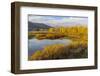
(60, 51)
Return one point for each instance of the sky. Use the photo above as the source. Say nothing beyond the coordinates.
(55, 21)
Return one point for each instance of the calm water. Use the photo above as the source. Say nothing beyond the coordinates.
(35, 44)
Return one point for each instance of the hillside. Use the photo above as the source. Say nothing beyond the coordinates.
(37, 26)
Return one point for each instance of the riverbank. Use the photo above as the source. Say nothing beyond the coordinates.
(77, 49)
(60, 51)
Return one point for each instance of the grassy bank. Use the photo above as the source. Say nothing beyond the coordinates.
(59, 51)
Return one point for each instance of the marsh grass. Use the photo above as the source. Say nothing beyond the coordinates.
(77, 49)
(60, 51)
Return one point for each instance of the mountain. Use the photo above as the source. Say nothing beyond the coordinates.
(37, 26)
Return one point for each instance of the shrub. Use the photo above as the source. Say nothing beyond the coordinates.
(59, 51)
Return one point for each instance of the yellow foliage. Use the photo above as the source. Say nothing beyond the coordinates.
(60, 51)
(76, 33)
(77, 49)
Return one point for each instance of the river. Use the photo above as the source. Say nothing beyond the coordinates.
(35, 44)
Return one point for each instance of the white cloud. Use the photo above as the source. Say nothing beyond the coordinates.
(52, 20)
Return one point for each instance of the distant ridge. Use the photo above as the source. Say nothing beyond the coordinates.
(37, 26)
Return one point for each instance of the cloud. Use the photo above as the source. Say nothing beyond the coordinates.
(58, 20)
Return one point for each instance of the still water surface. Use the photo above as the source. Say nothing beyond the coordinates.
(35, 44)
